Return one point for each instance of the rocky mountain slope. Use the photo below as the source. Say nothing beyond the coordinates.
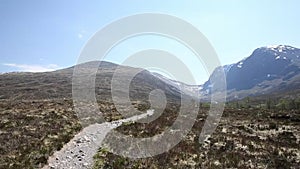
(268, 69)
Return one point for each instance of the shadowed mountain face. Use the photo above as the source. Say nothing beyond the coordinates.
(266, 70)
(58, 84)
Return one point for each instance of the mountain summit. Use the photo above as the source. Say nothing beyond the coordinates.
(267, 69)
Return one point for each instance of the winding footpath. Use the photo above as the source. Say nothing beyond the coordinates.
(78, 153)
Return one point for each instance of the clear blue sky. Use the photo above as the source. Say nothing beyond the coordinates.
(45, 35)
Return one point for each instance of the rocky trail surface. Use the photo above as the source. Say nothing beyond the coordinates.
(79, 152)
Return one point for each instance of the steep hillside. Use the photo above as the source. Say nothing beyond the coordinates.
(266, 70)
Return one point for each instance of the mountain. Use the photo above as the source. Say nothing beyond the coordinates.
(58, 84)
(191, 90)
(268, 69)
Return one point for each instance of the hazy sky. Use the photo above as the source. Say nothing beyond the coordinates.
(45, 35)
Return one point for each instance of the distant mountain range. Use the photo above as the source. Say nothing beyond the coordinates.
(268, 70)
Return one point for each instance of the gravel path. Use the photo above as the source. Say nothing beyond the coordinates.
(79, 152)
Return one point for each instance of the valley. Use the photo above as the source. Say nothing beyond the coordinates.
(259, 128)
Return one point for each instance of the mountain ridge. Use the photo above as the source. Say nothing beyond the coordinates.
(267, 69)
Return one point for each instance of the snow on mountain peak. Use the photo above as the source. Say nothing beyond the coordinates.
(284, 52)
(240, 64)
(279, 48)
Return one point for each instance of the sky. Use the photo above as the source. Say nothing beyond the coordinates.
(48, 35)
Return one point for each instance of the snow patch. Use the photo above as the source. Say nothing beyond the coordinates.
(240, 65)
(279, 48)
